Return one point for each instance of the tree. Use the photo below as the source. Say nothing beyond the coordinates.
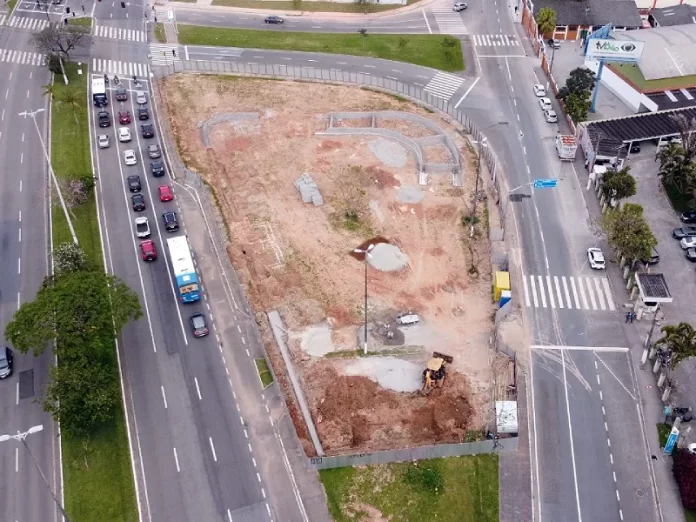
(680, 339)
(60, 39)
(49, 90)
(83, 393)
(577, 107)
(366, 5)
(619, 184)
(627, 232)
(675, 168)
(69, 96)
(546, 20)
(53, 63)
(687, 131)
(581, 81)
(73, 307)
(69, 257)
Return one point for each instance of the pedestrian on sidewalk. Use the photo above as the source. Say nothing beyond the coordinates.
(83, 8)
(633, 317)
(628, 316)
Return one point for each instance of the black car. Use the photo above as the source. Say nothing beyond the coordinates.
(680, 233)
(690, 254)
(134, 183)
(121, 94)
(7, 360)
(104, 119)
(654, 258)
(635, 147)
(157, 168)
(143, 114)
(148, 130)
(171, 224)
(689, 216)
(199, 325)
(273, 20)
(138, 201)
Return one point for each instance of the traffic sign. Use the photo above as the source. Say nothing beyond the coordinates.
(671, 441)
(545, 183)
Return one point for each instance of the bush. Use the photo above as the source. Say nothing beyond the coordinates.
(684, 469)
(53, 64)
(426, 477)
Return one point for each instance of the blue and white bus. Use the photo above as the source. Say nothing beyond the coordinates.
(184, 270)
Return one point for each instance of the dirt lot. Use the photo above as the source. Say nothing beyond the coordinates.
(294, 256)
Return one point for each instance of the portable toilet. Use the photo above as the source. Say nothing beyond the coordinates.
(505, 296)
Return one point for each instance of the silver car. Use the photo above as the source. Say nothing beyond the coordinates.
(103, 141)
(154, 151)
(459, 6)
(141, 98)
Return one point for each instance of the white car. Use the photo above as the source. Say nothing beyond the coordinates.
(459, 6)
(539, 90)
(103, 141)
(124, 134)
(551, 116)
(142, 227)
(129, 157)
(688, 242)
(141, 98)
(596, 258)
(545, 103)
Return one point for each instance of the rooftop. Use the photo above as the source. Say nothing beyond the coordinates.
(675, 15)
(639, 127)
(621, 13)
(674, 99)
(653, 288)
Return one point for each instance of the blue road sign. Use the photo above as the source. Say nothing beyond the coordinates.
(671, 441)
(545, 183)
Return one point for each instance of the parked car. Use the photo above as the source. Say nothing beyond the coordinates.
(154, 151)
(554, 44)
(129, 157)
(687, 242)
(690, 254)
(141, 97)
(635, 147)
(157, 168)
(171, 224)
(124, 117)
(273, 19)
(6, 362)
(550, 116)
(199, 325)
(545, 104)
(681, 232)
(124, 134)
(688, 217)
(653, 259)
(142, 227)
(539, 90)
(121, 94)
(103, 141)
(148, 250)
(596, 258)
(148, 130)
(165, 193)
(104, 119)
(134, 183)
(459, 6)
(143, 114)
(138, 201)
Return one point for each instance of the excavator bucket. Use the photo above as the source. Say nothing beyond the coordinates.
(447, 358)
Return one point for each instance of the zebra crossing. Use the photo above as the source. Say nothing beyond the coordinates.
(124, 69)
(133, 35)
(164, 54)
(448, 21)
(24, 22)
(588, 293)
(490, 40)
(443, 85)
(22, 57)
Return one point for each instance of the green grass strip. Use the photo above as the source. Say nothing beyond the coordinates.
(316, 7)
(97, 474)
(160, 34)
(83, 20)
(663, 431)
(419, 49)
(446, 490)
(264, 372)
(633, 73)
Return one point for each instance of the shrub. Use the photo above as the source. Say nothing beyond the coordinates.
(684, 469)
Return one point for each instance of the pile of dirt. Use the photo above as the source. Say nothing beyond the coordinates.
(355, 413)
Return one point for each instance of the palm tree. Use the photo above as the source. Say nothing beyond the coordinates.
(70, 96)
(675, 167)
(680, 339)
(49, 90)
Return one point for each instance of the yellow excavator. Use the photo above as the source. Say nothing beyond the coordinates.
(434, 373)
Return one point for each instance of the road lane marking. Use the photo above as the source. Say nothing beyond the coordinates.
(198, 390)
(590, 292)
(600, 296)
(164, 397)
(467, 92)
(17, 394)
(16, 460)
(427, 24)
(607, 292)
(176, 461)
(253, 460)
(239, 329)
(258, 476)
(570, 431)
(616, 378)
(552, 302)
(19, 265)
(526, 292)
(567, 293)
(579, 348)
(212, 448)
(543, 294)
(229, 515)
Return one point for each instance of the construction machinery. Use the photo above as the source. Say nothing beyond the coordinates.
(434, 373)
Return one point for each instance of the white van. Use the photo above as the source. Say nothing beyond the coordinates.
(407, 318)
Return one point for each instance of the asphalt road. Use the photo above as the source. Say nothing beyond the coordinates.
(23, 254)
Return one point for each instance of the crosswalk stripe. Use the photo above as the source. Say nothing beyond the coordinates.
(534, 292)
(489, 40)
(448, 21)
(590, 292)
(543, 294)
(607, 293)
(583, 297)
(600, 296)
(443, 85)
(21, 57)
(526, 292)
(558, 292)
(551, 299)
(118, 68)
(567, 294)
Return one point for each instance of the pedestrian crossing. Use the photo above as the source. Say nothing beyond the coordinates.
(578, 292)
(124, 69)
(22, 57)
(133, 35)
(24, 22)
(164, 54)
(490, 40)
(443, 85)
(448, 21)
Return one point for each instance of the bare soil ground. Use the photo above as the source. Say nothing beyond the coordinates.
(294, 257)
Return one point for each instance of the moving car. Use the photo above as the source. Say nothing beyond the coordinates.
(687, 242)
(142, 227)
(273, 19)
(129, 157)
(165, 193)
(199, 325)
(596, 258)
(679, 233)
(148, 130)
(124, 117)
(6, 362)
(154, 151)
(141, 97)
(545, 104)
(121, 94)
(143, 114)
(148, 250)
(103, 141)
(157, 168)
(539, 90)
(551, 116)
(134, 183)
(688, 217)
(104, 119)
(138, 201)
(171, 224)
(124, 134)
(690, 254)
(459, 6)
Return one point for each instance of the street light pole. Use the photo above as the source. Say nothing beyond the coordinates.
(32, 115)
(22, 437)
(366, 254)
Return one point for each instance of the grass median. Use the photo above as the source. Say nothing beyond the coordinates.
(316, 7)
(437, 51)
(97, 475)
(446, 490)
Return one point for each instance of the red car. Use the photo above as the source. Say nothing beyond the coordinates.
(148, 250)
(165, 192)
(124, 117)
